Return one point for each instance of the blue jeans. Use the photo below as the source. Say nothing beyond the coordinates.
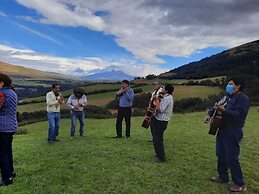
(227, 150)
(80, 116)
(54, 125)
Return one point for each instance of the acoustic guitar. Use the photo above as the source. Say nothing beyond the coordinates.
(215, 120)
(151, 110)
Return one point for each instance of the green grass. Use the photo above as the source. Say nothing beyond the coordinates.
(99, 164)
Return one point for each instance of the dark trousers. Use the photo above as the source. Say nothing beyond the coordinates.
(6, 156)
(123, 112)
(227, 151)
(158, 128)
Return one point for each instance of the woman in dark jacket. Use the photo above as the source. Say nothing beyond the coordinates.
(8, 126)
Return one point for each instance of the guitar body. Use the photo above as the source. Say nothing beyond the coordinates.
(215, 124)
(148, 116)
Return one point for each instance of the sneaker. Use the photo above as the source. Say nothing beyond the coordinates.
(237, 189)
(72, 137)
(49, 141)
(5, 183)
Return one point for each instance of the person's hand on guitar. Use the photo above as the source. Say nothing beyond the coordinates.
(156, 102)
(57, 105)
(125, 90)
(207, 119)
(221, 108)
(119, 93)
(76, 107)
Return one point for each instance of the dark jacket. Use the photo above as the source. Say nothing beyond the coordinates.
(8, 118)
(235, 113)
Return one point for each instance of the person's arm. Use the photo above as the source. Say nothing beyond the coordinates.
(49, 101)
(130, 95)
(240, 111)
(162, 105)
(84, 101)
(119, 93)
(69, 103)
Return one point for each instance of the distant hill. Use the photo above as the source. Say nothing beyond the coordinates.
(241, 61)
(20, 72)
(109, 75)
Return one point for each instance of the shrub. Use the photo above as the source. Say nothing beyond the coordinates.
(138, 112)
(21, 131)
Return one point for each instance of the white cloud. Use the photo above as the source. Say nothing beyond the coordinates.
(38, 33)
(27, 18)
(76, 67)
(2, 14)
(65, 13)
(149, 28)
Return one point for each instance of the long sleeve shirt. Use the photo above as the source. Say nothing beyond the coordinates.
(126, 100)
(73, 102)
(235, 113)
(8, 118)
(52, 100)
(166, 108)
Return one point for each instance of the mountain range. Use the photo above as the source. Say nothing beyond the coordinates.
(109, 75)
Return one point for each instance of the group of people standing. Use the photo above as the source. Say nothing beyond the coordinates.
(227, 142)
(76, 103)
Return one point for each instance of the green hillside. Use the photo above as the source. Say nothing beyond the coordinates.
(241, 61)
(99, 164)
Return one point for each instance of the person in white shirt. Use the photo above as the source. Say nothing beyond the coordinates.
(76, 103)
(158, 124)
(54, 99)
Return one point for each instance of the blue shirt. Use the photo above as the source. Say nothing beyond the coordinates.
(8, 118)
(126, 100)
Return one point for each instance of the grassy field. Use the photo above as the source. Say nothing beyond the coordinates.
(103, 98)
(99, 164)
(175, 81)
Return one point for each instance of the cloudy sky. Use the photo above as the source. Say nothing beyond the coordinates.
(140, 37)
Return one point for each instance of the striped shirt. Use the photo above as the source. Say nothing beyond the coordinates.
(166, 108)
